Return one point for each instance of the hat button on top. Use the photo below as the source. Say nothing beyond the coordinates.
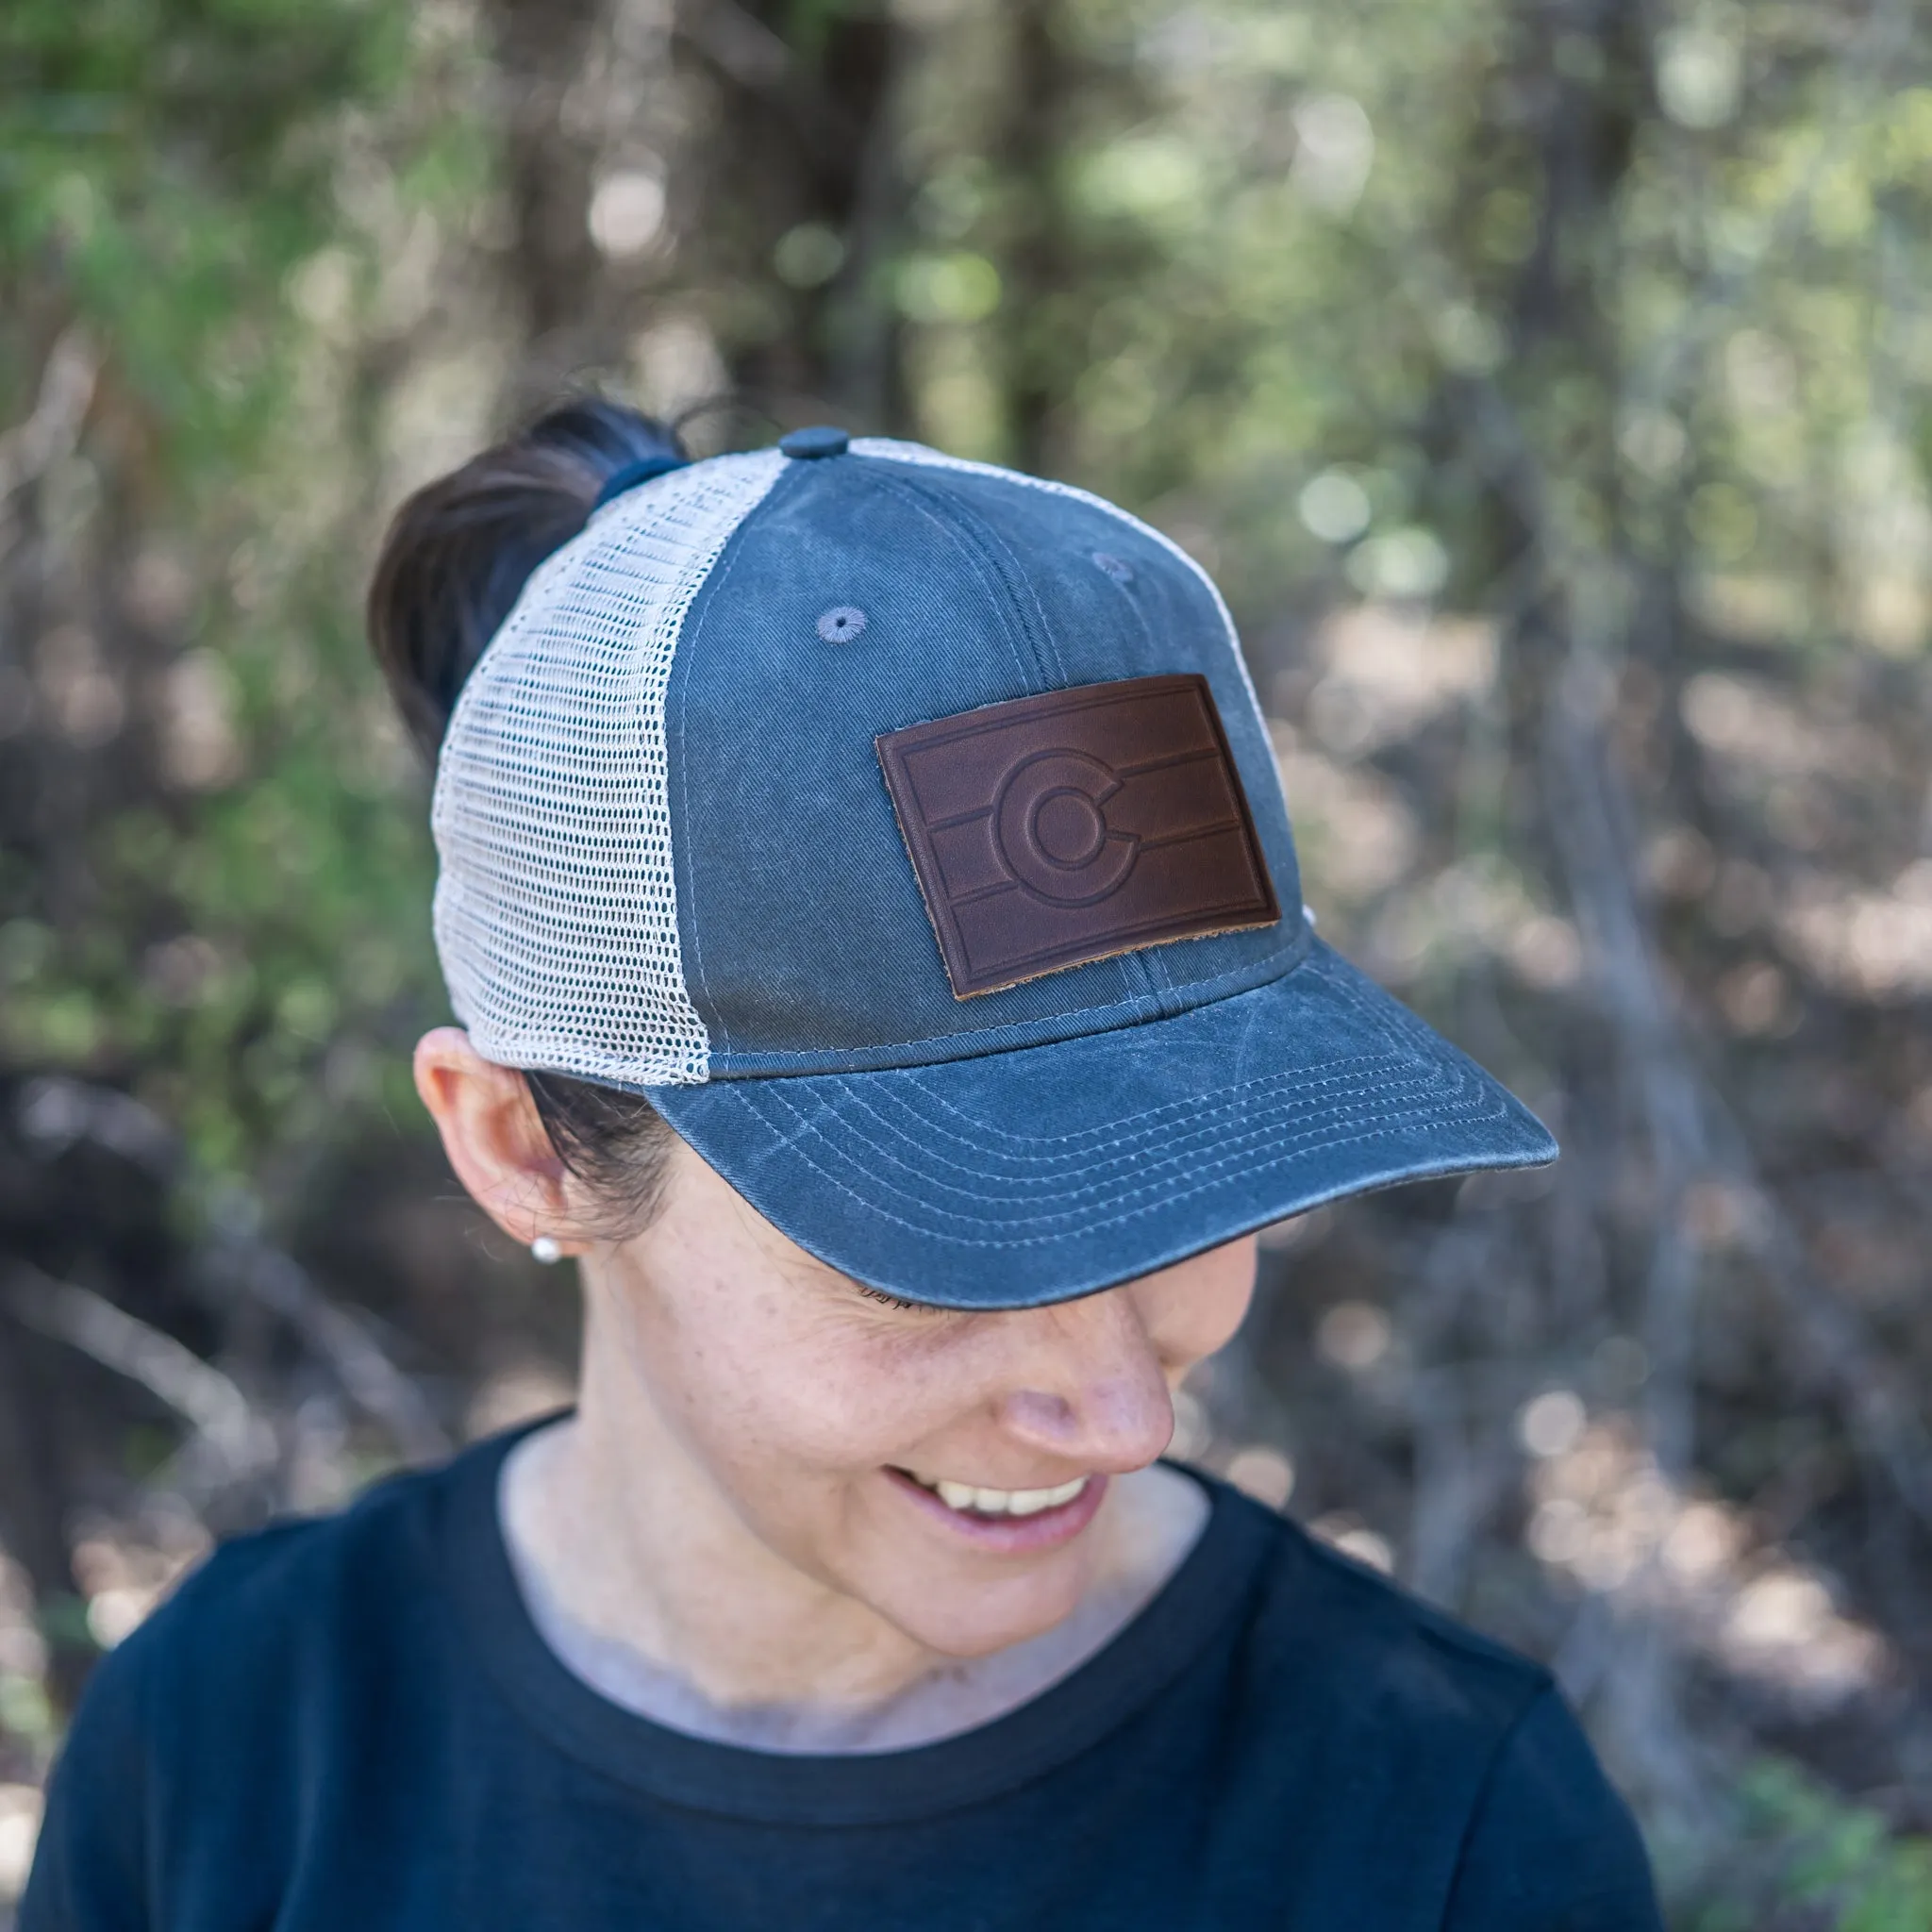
(803, 444)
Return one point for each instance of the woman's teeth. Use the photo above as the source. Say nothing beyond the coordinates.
(1002, 1502)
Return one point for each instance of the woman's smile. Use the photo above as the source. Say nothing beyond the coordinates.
(1012, 1523)
(986, 1501)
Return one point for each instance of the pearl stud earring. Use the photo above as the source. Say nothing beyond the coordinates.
(545, 1249)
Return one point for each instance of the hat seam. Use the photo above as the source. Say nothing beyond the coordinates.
(1415, 1035)
(975, 535)
(687, 640)
(1135, 1147)
(923, 501)
(1139, 1009)
(1142, 963)
(1089, 1228)
(1334, 1089)
(919, 455)
(1259, 1120)
(1261, 1124)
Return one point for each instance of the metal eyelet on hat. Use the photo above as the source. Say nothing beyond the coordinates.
(841, 624)
(1122, 573)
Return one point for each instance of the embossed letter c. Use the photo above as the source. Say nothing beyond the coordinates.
(1051, 831)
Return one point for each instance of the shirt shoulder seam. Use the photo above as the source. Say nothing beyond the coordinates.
(1499, 1752)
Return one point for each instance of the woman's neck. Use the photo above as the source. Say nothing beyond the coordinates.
(641, 1575)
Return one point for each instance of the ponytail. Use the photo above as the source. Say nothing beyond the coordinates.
(460, 551)
(456, 558)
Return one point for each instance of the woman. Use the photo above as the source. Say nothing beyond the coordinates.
(870, 906)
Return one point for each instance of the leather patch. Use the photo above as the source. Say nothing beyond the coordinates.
(1077, 824)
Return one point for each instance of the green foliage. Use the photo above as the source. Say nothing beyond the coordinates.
(166, 165)
(193, 198)
(1285, 242)
(1801, 1846)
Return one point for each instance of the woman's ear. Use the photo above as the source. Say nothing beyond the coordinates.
(494, 1139)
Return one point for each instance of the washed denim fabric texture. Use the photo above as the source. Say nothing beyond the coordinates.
(806, 940)
(1013, 1179)
(1029, 1142)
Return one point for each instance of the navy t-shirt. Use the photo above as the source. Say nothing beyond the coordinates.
(353, 1723)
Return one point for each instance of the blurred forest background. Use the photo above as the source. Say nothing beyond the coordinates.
(1549, 383)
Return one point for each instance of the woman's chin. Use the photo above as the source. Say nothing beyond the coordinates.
(969, 1618)
(966, 1639)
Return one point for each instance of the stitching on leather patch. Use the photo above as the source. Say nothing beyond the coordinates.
(1076, 826)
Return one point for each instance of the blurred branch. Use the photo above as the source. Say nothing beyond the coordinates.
(739, 42)
(55, 1111)
(1888, 1424)
(365, 1373)
(66, 390)
(194, 1389)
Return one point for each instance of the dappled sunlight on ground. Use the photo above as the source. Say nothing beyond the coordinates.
(20, 1825)
(1604, 1515)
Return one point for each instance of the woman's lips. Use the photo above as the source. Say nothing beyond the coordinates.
(1008, 1535)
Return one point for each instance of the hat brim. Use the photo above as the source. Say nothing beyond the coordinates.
(1039, 1173)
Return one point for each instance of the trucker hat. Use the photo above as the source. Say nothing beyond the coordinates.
(907, 830)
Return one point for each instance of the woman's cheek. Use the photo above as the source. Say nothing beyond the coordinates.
(854, 1399)
(853, 1412)
(1225, 1312)
(1198, 1308)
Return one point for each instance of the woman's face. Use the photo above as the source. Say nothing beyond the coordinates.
(941, 1466)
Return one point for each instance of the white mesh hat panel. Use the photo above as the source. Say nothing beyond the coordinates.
(557, 901)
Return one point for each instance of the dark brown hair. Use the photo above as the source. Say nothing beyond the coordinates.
(456, 557)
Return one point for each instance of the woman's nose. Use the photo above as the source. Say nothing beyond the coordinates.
(1087, 1385)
